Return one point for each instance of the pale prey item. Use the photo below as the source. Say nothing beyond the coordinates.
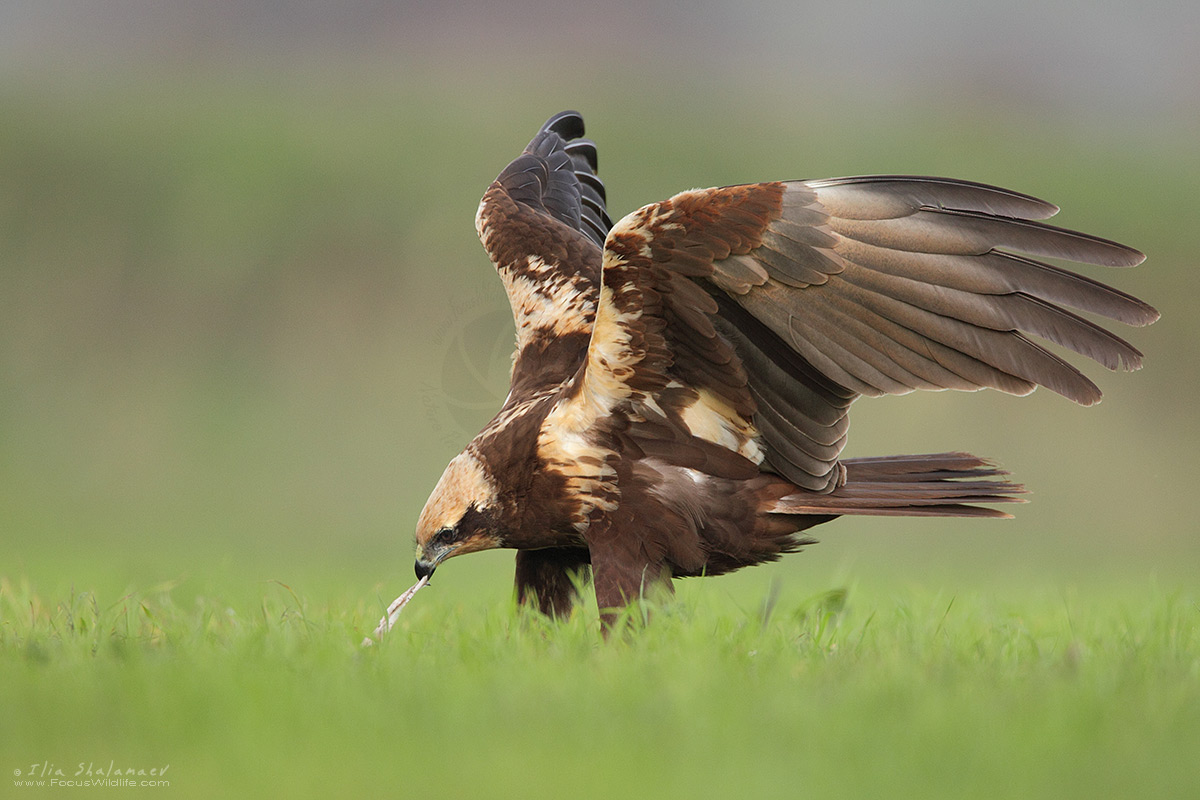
(393, 612)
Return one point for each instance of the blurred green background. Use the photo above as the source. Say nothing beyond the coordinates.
(245, 321)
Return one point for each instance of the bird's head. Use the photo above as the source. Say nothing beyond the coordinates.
(460, 516)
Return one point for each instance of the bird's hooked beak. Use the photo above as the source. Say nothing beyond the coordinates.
(431, 554)
(424, 569)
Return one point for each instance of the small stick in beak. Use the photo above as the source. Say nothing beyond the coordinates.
(393, 612)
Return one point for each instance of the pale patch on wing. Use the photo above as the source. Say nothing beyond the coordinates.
(612, 353)
(612, 356)
(653, 220)
(712, 419)
(567, 442)
(545, 303)
(565, 447)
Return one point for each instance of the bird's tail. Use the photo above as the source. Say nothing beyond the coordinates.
(933, 485)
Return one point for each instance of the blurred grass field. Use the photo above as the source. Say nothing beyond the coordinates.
(244, 323)
(921, 693)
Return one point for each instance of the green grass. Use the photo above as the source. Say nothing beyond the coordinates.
(859, 693)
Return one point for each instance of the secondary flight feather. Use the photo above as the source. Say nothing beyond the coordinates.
(682, 378)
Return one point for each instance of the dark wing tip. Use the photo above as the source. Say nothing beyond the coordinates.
(567, 124)
(585, 149)
(556, 174)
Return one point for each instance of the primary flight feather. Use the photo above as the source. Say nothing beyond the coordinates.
(682, 378)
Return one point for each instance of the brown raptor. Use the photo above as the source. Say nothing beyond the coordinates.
(682, 378)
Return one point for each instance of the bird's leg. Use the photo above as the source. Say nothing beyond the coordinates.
(623, 573)
(551, 578)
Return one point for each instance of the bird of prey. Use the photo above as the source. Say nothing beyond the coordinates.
(682, 378)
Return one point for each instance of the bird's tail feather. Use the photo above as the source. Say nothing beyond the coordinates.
(932, 485)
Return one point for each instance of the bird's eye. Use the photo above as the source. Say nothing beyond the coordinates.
(443, 536)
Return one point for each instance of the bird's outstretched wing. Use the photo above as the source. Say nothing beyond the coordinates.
(542, 222)
(752, 316)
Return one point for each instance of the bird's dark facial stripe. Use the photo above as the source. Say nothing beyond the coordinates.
(474, 522)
